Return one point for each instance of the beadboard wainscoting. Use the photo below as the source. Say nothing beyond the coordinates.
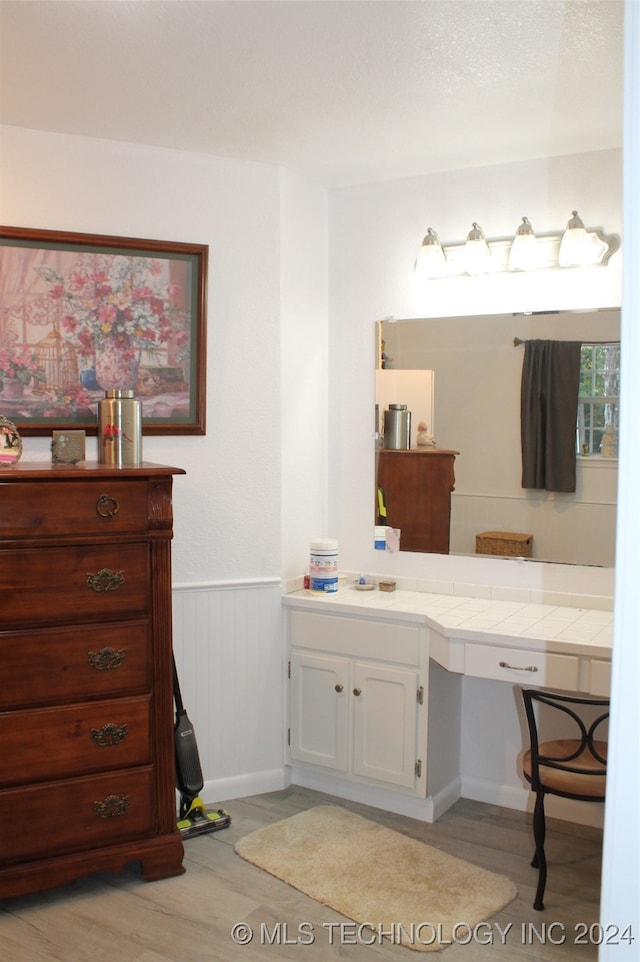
(227, 639)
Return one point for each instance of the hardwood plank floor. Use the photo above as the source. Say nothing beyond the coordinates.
(121, 918)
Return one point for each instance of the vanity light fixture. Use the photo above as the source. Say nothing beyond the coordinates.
(431, 261)
(524, 254)
(580, 247)
(477, 256)
(576, 247)
(574, 242)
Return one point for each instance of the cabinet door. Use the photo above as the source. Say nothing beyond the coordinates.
(384, 723)
(318, 710)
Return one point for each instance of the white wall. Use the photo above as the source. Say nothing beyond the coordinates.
(266, 408)
(375, 233)
(620, 901)
(305, 351)
(227, 508)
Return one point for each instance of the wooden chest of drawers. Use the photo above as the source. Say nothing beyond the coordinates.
(87, 779)
(417, 486)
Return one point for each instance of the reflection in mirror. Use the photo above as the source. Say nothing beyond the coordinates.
(474, 393)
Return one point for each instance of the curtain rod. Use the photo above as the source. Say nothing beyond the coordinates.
(517, 341)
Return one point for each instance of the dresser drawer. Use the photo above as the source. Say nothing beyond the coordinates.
(76, 815)
(69, 585)
(522, 665)
(35, 509)
(55, 665)
(50, 743)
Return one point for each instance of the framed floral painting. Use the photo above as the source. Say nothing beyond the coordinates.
(81, 314)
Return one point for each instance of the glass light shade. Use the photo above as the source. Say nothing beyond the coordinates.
(574, 246)
(477, 256)
(525, 251)
(431, 261)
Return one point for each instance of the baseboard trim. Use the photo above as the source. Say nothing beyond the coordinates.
(522, 800)
(409, 805)
(242, 786)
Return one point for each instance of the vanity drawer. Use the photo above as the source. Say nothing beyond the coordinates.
(54, 665)
(600, 678)
(36, 509)
(69, 585)
(535, 668)
(76, 815)
(357, 637)
(52, 743)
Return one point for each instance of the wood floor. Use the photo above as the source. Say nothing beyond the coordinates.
(120, 918)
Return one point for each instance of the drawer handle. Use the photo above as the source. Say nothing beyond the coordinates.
(339, 688)
(357, 691)
(107, 507)
(112, 806)
(105, 580)
(505, 664)
(109, 734)
(107, 659)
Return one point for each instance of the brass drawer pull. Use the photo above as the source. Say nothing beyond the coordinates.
(107, 659)
(357, 691)
(105, 580)
(505, 664)
(109, 735)
(112, 806)
(107, 507)
(339, 688)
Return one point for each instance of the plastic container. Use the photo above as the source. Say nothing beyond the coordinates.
(323, 565)
(119, 429)
(397, 427)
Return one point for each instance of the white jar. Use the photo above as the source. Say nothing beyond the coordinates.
(323, 565)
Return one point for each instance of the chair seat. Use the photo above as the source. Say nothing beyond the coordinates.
(571, 783)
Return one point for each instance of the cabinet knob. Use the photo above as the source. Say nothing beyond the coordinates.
(339, 688)
(357, 691)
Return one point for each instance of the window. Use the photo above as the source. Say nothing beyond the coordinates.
(599, 400)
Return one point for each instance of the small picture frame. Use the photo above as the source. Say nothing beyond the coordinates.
(68, 447)
(10, 443)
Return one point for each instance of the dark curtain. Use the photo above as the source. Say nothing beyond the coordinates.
(548, 414)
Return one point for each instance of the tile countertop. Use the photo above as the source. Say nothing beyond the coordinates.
(541, 627)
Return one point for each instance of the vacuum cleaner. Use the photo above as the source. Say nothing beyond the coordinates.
(194, 819)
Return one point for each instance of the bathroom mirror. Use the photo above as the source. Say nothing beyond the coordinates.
(475, 411)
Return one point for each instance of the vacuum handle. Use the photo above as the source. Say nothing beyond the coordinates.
(177, 696)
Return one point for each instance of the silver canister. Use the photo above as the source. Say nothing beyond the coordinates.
(119, 429)
(397, 427)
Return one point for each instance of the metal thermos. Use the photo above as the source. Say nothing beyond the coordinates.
(397, 427)
(119, 429)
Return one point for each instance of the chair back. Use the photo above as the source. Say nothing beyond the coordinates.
(557, 766)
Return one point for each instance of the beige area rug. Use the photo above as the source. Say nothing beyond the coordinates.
(398, 888)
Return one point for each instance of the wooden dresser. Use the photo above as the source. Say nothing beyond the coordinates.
(417, 486)
(87, 778)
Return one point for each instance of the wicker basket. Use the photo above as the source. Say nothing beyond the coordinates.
(509, 544)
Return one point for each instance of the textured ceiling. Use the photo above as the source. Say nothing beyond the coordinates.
(345, 92)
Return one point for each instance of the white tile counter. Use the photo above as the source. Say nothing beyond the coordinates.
(543, 627)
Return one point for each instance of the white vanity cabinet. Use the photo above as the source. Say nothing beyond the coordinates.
(357, 698)
(410, 702)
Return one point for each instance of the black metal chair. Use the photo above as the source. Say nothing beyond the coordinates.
(572, 767)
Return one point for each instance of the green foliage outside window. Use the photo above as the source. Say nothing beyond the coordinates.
(599, 400)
